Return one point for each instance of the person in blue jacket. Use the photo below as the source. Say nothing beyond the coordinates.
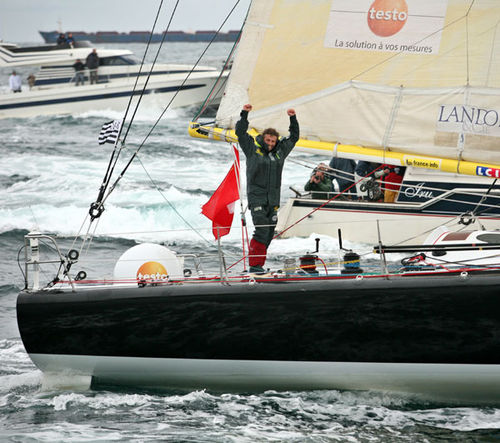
(344, 174)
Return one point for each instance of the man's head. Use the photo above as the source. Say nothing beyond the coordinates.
(14, 72)
(319, 172)
(270, 136)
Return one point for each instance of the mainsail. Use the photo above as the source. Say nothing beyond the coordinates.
(416, 78)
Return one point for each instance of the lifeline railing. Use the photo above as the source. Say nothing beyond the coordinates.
(32, 259)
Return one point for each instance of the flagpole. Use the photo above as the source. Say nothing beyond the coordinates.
(244, 232)
(222, 262)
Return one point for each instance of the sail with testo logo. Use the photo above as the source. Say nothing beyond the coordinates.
(410, 83)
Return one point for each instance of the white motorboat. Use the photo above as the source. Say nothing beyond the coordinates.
(54, 90)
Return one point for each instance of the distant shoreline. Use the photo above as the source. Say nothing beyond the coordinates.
(143, 36)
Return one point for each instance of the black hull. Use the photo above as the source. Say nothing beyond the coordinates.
(430, 320)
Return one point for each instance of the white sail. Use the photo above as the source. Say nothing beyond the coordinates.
(412, 76)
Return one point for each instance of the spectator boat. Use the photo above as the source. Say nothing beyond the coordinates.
(54, 91)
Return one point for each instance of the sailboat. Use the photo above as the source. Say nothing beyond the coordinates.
(413, 84)
(429, 327)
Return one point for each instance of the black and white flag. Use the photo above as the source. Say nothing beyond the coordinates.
(109, 132)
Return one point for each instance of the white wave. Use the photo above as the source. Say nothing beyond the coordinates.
(12, 351)
(458, 419)
(29, 379)
(149, 113)
(100, 401)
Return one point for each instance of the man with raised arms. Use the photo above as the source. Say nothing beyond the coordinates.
(265, 156)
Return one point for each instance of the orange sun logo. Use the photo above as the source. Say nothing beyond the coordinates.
(152, 270)
(387, 17)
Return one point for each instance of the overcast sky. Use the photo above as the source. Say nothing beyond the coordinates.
(20, 20)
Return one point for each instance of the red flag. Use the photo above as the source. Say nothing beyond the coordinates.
(220, 207)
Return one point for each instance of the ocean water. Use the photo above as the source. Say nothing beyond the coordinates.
(51, 171)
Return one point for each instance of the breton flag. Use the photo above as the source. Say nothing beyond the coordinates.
(109, 132)
(220, 207)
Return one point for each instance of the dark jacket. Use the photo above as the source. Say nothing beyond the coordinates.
(346, 165)
(92, 61)
(79, 66)
(264, 167)
(363, 168)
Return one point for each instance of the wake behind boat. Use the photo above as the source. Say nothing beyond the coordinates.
(54, 91)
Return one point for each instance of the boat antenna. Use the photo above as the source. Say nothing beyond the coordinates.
(339, 234)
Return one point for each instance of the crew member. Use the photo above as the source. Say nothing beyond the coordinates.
(265, 158)
(319, 184)
(393, 176)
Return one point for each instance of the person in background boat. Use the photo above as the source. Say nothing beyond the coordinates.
(369, 185)
(61, 40)
(265, 158)
(92, 63)
(31, 80)
(15, 82)
(393, 176)
(79, 72)
(344, 174)
(70, 40)
(363, 168)
(319, 184)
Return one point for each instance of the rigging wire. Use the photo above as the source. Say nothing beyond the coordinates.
(167, 106)
(97, 207)
(324, 204)
(224, 67)
(152, 68)
(192, 228)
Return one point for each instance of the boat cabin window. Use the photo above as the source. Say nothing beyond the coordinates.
(118, 60)
(489, 238)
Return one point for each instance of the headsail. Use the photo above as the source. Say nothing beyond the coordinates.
(418, 77)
